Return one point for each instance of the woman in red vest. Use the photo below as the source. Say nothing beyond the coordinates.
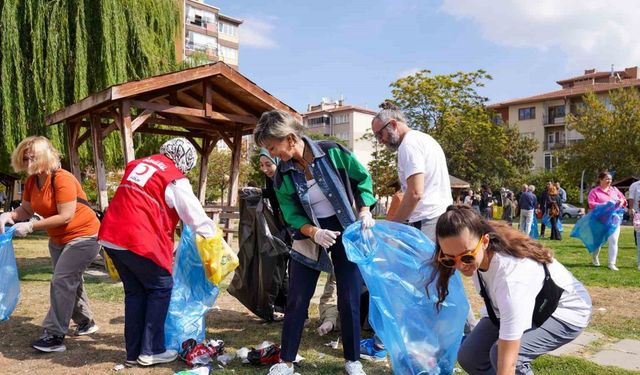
(137, 233)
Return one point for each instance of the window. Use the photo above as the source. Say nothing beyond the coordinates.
(200, 42)
(341, 119)
(527, 113)
(199, 17)
(550, 161)
(227, 29)
(344, 136)
(318, 121)
(228, 53)
(529, 135)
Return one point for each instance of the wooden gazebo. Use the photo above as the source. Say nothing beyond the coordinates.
(210, 103)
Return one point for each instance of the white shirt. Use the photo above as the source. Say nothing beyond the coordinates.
(179, 195)
(320, 205)
(513, 284)
(420, 153)
(634, 193)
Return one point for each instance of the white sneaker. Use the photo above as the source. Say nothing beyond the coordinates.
(613, 267)
(595, 261)
(281, 369)
(354, 368)
(154, 359)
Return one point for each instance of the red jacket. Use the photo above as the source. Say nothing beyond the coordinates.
(138, 218)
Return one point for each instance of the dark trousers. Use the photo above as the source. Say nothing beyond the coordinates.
(302, 285)
(147, 292)
(555, 233)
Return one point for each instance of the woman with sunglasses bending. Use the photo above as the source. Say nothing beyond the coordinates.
(533, 303)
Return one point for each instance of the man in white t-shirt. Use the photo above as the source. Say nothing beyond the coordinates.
(634, 200)
(422, 170)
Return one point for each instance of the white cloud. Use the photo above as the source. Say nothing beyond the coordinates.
(257, 33)
(590, 33)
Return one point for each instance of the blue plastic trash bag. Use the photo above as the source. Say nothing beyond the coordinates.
(396, 263)
(594, 228)
(9, 282)
(534, 228)
(192, 295)
(546, 220)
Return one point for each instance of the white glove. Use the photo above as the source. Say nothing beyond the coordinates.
(325, 237)
(367, 220)
(5, 219)
(22, 229)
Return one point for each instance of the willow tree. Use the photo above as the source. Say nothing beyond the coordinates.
(56, 52)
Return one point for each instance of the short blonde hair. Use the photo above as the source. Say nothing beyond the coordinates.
(45, 157)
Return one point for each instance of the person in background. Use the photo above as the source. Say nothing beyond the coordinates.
(486, 202)
(468, 199)
(554, 210)
(137, 233)
(544, 198)
(634, 199)
(561, 193)
(534, 304)
(602, 194)
(508, 208)
(317, 185)
(527, 204)
(72, 228)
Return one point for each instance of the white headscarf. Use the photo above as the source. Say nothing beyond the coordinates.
(182, 152)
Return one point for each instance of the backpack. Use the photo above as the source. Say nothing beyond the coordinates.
(554, 210)
(99, 213)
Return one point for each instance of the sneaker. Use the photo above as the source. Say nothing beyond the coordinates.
(86, 328)
(369, 351)
(613, 267)
(130, 363)
(281, 369)
(595, 261)
(154, 359)
(49, 343)
(354, 368)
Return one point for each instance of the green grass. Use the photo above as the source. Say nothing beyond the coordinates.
(572, 253)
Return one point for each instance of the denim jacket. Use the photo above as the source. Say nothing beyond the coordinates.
(342, 180)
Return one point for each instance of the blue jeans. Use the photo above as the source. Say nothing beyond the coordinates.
(302, 285)
(147, 293)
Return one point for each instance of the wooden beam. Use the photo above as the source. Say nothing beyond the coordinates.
(72, 145)
(208, 143)
(98, 160)
(196, 145)
(83, 137)
(108, 129)
(227, 140)
(135, 124)
(208, 98)
(79, 107)
(147, 129)
(168, 108)
(126, 133)
(235, 168)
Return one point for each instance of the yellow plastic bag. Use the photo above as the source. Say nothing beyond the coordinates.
(218, 258)
(111, 268)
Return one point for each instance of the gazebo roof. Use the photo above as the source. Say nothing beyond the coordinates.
(213, 97)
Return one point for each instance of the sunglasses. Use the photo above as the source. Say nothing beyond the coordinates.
(466, 258)
(378, 134)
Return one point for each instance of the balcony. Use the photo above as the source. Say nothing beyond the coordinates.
(551, 146)
(553, 121)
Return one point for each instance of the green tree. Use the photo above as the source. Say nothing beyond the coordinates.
(383, 167)
(611, 137)
(449, 108)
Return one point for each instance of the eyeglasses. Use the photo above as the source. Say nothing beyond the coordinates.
(378, 134)
(466, 258)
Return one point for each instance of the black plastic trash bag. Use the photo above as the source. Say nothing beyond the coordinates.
(260, 282)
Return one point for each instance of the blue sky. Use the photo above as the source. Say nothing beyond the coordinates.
(301, 51)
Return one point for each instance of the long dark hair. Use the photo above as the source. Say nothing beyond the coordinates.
(502, 239)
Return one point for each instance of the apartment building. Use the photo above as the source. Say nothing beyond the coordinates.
(208, 32)
(343, 121)
(543, 117)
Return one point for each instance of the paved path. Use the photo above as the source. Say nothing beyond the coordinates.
(624, 353)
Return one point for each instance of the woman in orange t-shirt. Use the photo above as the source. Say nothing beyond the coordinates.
(72, 227)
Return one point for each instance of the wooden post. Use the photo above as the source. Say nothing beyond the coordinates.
(235, 167)
(98, 159)
(208, 144)
(126, 133)
(72, 147)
